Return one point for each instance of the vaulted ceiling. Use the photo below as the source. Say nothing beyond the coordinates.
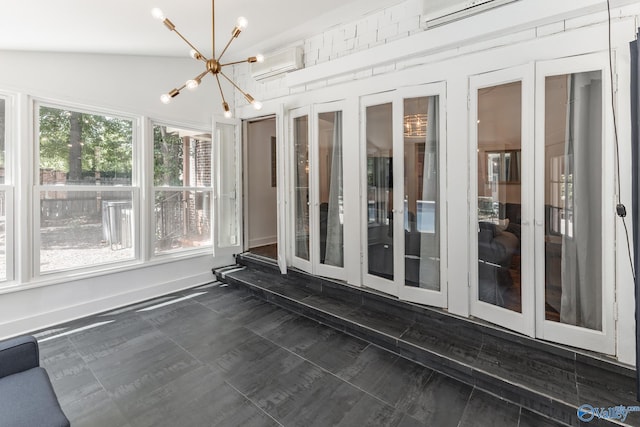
(127, 27)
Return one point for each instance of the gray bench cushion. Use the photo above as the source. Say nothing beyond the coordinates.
(27, 399)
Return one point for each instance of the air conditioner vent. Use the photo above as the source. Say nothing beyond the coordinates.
(440, 12)
(278, 63)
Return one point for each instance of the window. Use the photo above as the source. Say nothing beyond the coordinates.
(182, 189)
(4, 191)
(86, 199)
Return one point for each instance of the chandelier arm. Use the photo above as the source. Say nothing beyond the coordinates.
(234, 85)
(220, 88)
(213, 29)
(226, 47)
(235, 62)
(201, 75)
(201, 56)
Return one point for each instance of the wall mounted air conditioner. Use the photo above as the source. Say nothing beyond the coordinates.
(440, 12)
(278, 63)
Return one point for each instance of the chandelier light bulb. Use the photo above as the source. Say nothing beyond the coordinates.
(260, 58)
(157, 13)
(257, 104)
(242, 22)
(192, 84)
(194, 54)
(165, 98)
(227, 111)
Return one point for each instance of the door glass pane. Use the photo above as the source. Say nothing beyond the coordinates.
(573, 201)
(301, 141)
(228, 218)
(499, 195)
(331, 210)
(380, 190)
(421, 200)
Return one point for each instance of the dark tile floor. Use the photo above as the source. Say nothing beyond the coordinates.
(542, 377)
(218, 356)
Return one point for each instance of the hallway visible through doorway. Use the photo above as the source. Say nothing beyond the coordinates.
(260, 179)
(269, 251)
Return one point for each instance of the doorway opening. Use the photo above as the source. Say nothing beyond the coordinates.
(260, 182)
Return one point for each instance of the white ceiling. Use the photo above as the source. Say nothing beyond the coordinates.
(127, 27)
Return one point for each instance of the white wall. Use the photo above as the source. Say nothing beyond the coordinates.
(262, 197)
(124, 84)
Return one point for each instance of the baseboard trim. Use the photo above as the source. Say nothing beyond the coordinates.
(32, 324)
(263, 241)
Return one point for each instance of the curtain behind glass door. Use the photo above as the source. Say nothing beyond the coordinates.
(573, 199)
(331, 207)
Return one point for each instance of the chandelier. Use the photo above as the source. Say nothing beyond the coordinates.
(415, 125)
(213, 65)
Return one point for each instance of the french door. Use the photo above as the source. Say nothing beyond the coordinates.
(501, 200)
(227, 230)
(575, 223)
(542, 226)
(318, 178)
(403, 217)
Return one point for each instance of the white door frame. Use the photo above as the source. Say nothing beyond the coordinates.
(369, 280)
(236, 244)
(523, 322)
(600, 341)
(409, 293)
(301, 263)
(281, 181)
(318, 268)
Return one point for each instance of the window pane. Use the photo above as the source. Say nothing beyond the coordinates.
(182, 157)
(3, 236)
(182, 219)
(573, 199)
(85, 228)
(301, 146)
(331, 209)
(84, 149)
(499, 195)
(3, 136)
(421, 220)
(380, 190)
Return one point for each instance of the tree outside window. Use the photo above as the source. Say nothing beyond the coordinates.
(85, 187)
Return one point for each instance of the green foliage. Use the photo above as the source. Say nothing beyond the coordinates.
(106, 143)
(168, 157)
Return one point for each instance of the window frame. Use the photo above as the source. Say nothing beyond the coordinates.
(8, 187)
